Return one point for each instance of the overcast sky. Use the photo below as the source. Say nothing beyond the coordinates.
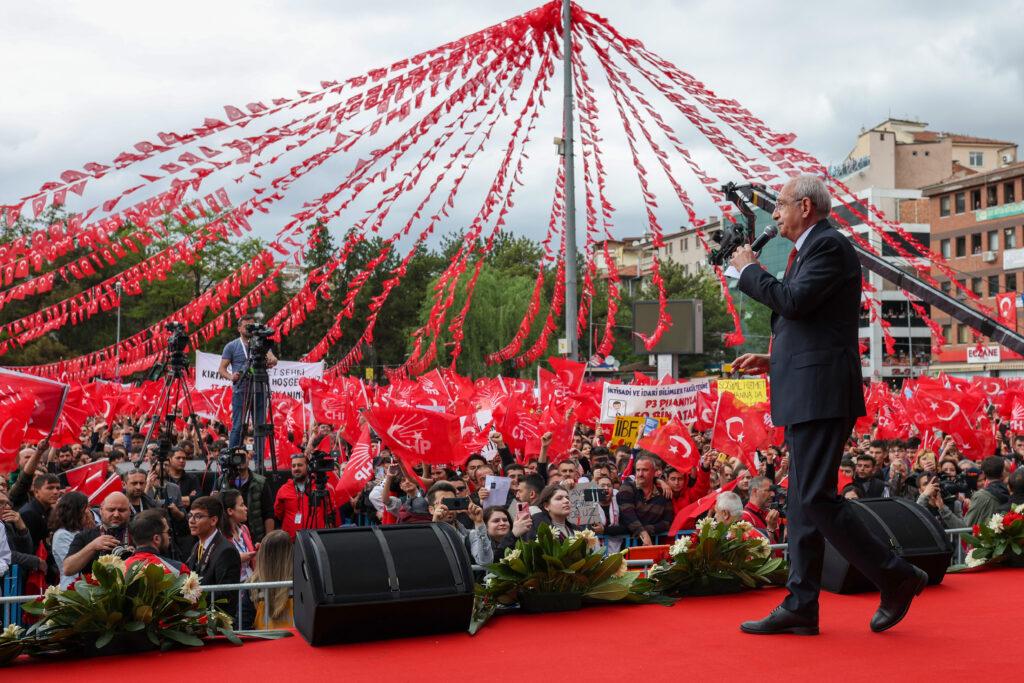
(84, 80)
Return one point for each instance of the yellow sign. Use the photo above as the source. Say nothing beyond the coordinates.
(747, 391)
(369, 374)
(627, 430)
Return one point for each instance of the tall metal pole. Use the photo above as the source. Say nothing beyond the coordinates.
(117, 349)
(570, 186)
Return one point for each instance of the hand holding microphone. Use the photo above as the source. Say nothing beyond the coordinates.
(747, 254)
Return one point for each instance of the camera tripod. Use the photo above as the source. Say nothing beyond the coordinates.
(175, 388)
(258, 412)
(319, 500)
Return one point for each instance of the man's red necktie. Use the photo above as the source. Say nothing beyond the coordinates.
(792, 257)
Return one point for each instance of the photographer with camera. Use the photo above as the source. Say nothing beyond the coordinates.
(234, 366)
(292, 505)
(935, 502)
(235, 474)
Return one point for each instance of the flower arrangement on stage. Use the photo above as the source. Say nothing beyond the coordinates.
(555, 574)
(719, 558)
(116, 607)
(999, 540)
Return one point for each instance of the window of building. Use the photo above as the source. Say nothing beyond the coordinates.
(1011, 282)
(976, 159)
(976, 286)
(960, 202)
(946, 331)
(1010, 238)
(686, 269)
(963, 334)
(976, 244)
(944, 205)
(913, 154)
(992, 241)
(975, 200)
(1008, 195)
(926, 153)
(962, 283)
(961, 246)
(993, 195)
(945, 286)
(993, 285)
(686, 243)
(944, 246)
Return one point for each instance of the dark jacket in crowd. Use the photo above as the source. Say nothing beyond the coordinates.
(637, 513)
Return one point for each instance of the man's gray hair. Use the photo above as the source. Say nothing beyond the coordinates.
(758, 481)
(814, 188)
(730, 502)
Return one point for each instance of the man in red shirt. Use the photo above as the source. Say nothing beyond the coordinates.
(291, 506)
(687, 488)
(757, 512)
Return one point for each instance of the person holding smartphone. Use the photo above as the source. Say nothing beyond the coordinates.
(110, 537)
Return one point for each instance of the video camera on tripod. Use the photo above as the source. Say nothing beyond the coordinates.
(231, 462)
(259, 344)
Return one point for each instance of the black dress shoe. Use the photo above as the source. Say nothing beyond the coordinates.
(896, 602)
(781, 620)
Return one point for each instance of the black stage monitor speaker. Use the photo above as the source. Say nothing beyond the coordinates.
(370, 583)
(909, 529)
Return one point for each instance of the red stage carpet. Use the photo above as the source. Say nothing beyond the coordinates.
(961, 630)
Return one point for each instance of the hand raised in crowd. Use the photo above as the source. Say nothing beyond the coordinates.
(597, 528)
(522, 526)
(706, 460)
(440, 513)
(645, 538)
(545, 439)
(484, 492)
(496, 438)
(12, 517)
(476, 514)
(772, 520)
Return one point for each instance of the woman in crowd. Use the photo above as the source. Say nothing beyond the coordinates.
(273, 563)
(235, 528)
(555, 506)
(491, 526)
(70, 515)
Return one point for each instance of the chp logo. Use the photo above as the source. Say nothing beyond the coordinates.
(407, 433)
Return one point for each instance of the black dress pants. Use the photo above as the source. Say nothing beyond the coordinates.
(816, 512)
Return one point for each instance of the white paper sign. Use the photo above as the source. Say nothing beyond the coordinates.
(284, 377)
(498, 490)
(656, 400)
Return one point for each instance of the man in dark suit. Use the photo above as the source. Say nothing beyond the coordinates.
(214, 557)
(814, 366)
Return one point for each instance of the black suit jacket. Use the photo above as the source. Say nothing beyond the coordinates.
(815, 364)
(221, 564)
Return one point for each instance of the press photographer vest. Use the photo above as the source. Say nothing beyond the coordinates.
(253, 501)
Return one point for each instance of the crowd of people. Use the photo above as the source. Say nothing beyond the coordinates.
(178, 511)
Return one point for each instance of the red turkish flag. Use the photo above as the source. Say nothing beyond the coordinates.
(642, 379)
(686, 517)
(738, 431)
(76, 410)
(417, 435)
(1006, 305)
(707, 404)
(672, 443)
(87, 478)
(48, 397)
(111, 485)
(359, 468)
(16, 413)
(569, 372)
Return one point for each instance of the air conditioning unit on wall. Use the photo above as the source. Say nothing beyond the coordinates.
(989, 257)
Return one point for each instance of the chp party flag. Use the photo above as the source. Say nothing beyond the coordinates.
(48, 395)
(672, 443)
(111, 485)
(417, 435)
(359, 468)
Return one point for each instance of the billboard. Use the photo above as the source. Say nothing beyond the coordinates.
(686, 334)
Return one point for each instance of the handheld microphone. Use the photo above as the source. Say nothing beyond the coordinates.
(769, 232)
